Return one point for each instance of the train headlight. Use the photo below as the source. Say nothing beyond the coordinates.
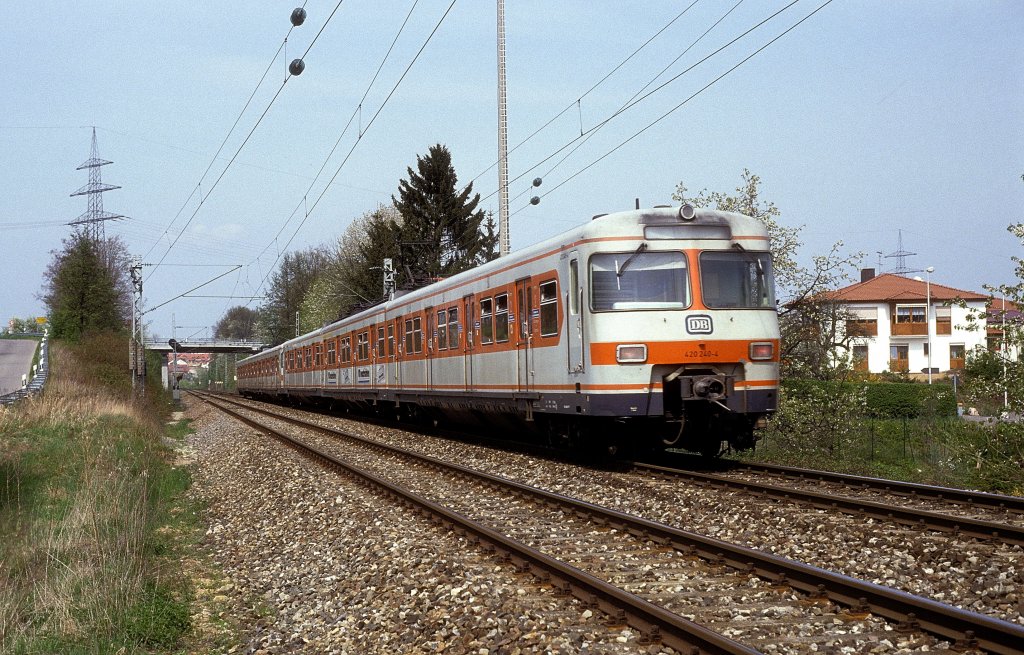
(633, 353)
(761, 350)
(687, 212)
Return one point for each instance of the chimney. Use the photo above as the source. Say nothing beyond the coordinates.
(867, 274)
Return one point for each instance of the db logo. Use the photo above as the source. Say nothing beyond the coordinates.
(699, 324)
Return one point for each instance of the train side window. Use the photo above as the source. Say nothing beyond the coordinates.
(453, 327)
(408, 336)
(417, 335)
(574, 285)
(346, 350)
(391, 340)
(380, 342)
(548, 309)
(442, 331)
(486, 321)
(363, 346)
(332, 352)
(501, 317)
(309, 357)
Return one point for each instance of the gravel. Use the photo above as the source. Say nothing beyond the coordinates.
(314, 562)
(981, 576)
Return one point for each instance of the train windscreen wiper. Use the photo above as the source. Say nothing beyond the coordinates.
(642, 247)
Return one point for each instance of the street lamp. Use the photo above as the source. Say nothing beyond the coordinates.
(928, 315)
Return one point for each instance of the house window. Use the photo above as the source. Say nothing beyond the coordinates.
(910, 314)
(957, 356)
(943, 320)
(899, 358)
(501, 318)
(486, 321)
(442, 330)
(860, 358)
(862, 322)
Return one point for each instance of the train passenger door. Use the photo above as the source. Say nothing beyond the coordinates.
(574, 316)
(430, 337)
(393, 363)
(524, 333)
(467, 359)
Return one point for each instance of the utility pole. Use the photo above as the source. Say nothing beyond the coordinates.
(137, 346)
(503, 236)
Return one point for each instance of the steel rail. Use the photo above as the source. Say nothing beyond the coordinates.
(958, 525)
(968, 629)
(978, 498)
(655, 624)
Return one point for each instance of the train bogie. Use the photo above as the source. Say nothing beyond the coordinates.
(652, 328)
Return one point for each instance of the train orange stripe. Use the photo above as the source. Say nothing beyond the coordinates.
(712, 351)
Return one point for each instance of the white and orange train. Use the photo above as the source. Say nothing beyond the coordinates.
(648, 328)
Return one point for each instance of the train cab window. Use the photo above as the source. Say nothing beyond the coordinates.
(380, 342)
(548, 309)
(332, 352)
(486, 320)
(453, 327)
(737, 280)
(639, 280)
(501, 317)
(363, 346)
(346, 350)
(442, 330)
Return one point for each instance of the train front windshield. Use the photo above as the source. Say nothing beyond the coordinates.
(737, 280)
(639, 280)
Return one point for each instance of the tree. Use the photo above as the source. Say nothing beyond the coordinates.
(85, 287)
(812, 325)
(288, 287)
(238, 323)
(440, 225)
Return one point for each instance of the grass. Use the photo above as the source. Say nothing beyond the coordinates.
(942, 451)
(93, 514)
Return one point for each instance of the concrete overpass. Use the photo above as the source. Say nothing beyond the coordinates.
(208, 346)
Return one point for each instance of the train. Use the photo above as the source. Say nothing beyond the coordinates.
(640, 330)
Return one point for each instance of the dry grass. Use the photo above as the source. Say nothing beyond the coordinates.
(75, 484)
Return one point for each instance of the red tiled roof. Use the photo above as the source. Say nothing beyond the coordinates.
(888, 287)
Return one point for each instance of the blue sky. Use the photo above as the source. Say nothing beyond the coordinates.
(869, 118)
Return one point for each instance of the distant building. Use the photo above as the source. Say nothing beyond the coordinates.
(890, 321)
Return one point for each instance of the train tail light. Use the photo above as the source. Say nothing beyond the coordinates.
(762, 350)
(631, 353)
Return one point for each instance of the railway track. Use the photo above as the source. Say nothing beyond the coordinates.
(1002, 521)
(655, 577)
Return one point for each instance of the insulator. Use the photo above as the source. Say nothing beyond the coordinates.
(537, 181)
(296, 67)
(298, 16)
(535, 200)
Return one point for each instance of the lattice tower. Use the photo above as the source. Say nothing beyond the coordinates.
(94, 217)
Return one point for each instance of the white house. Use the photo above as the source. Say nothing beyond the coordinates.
(899, 321)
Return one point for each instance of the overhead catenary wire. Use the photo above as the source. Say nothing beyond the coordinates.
(576, 103)
(327, 186)
(681, 104)
(637, 101)
(246, 140)
(344, 131)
